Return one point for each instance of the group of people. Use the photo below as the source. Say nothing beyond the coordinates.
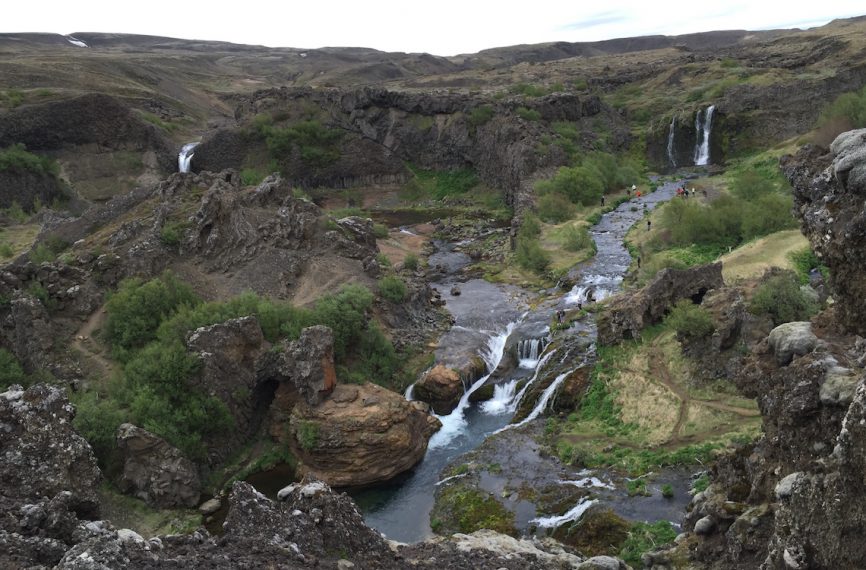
(684, 192)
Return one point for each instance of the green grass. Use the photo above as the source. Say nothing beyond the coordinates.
(463, 509)
(644, 537)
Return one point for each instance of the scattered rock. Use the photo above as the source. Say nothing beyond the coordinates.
(210, 506)
(705, 526)
(792, 339)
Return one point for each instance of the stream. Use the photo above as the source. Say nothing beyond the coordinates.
(490, 318)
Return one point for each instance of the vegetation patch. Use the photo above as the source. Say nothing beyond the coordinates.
(644, 537)
(17, 158)
(464, 509)
(690, 321)
(781, 298)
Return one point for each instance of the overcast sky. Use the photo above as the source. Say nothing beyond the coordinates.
(441, 27)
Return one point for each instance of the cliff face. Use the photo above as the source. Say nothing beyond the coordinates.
(384, 130)
(789, 500)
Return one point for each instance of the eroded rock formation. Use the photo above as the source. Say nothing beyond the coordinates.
(440, 387)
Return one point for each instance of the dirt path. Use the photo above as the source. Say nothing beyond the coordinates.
(90, 349)
(658, 369)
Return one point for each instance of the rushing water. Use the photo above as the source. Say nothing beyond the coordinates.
(486, 316)
(184, 157)
(703, 127)
(671, 157)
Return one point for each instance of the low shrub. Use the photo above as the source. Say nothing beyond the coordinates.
(528, 114)
(392, 288)
(577, 238)
(411, 262)
(380, 231)
(10, 370)
(689, 320)
(644, 537)
(554, 208)
(481, 115)
(780, 297)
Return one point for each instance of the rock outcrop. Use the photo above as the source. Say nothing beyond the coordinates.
(440, 387)
(154, 471)
(361, 434)
(828, 196)
(627, 315)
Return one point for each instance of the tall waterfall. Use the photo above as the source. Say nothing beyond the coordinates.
(184, 158)
(703, 126)
(671, 157)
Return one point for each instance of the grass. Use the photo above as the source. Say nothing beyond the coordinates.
(753, 258)
(129, 512)
(644, 537)
(465, 509)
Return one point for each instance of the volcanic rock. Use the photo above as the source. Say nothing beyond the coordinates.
(440, 387)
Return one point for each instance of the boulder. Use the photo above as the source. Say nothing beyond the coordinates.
(440, 387)
(306, 366)
(32, 336)
(603, 563)
(362, 434)
(155, 471)
(792, 339)
(627, 315)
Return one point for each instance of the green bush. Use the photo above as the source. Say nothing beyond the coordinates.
(780, 297)
(6, 250)
(689, 320)
(579, 184)
(848, 107)
(667, 491)
(481, 115)
(701, 483)
(529, 254)
(97, 419)
(380, 231)
(805, 261)
(528, 90)
(577, 238)
(307, 434)
(138, 307)
(554, 208)
(251, 177)
(316, 144)
(10, 370)
(644, 537)
(17, 158)
(528, 114)
(439, 184)
(346, 314)
(392, 288)
(411, 262)
(172, 233)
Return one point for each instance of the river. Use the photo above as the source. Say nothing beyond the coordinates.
(488, 319)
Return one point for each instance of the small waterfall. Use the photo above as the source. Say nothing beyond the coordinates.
(503, 395)
(541, 405)
(573, 515)
(671, 158)
(410, 392)
(76, 42)
(515, 403)
(184, 158)
(703, 126)
(528, 351)
(455, 423)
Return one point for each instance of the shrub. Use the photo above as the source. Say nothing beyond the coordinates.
(530, 226)
(138, 307)
(411, 262)
(380, 231)
(251, 177)
(6, 250)
(171, 233)
(701, 483)
(780, 297)
(579, 184)
(577, 238)
(689, 320)
(667, 491)
(528, 114)
(392, 288)
(17, 158)
(529, 254)
(644, 537)
(97, 419)
(10, 370)
(481, 115)
(555, 208)
(345, 313)
(307, 434)
(316, 144)
(848, 108)
(805, 261)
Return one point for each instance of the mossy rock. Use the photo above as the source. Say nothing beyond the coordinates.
(482, 394)
(599, 532)
(459, 508)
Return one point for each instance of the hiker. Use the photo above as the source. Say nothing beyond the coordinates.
(637, 193)
(602, 201)
(638, 262)
(648, 224)
(633, 187)
(628, 192)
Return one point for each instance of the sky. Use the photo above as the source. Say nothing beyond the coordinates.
(440, 27)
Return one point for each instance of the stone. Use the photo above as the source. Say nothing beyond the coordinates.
(625, 316)
(210, 506)
(440, 387)
(839, 386)
(792, 339)
(155, 471)
(361, 435)
(785, 487)
(705, 526)
(602, 563)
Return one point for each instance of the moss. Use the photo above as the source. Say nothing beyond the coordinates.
(462, 509)
(599, 532)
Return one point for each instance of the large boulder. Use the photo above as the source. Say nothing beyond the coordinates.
(155, 471)
(627, 315)
(440, 387)
(361, 434)
(304, 368)
(792, 339)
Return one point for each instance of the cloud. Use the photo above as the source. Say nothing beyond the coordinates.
(596, 20)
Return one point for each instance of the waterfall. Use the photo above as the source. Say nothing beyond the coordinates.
(703, 126)
(528, 351)
(671, 143)
(76, 42)
(573, 515)
(184, 158)
(410, 392)
(455, 423)
(541, 405)
(503, 395)
(515, 403)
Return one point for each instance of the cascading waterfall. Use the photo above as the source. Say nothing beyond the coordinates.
(410, 392)
(503, 395)
(671, 157)
(528, 351)
(455, 422)
(548, 393)
(184, 158)
(703, 126)
(573, 515)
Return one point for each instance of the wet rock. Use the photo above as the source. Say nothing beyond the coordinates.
(155, 471)
(627, 315)
(792, 339)
(455, 291)
(362, 434)
(441, 387)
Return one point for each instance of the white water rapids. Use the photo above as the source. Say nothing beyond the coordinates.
(184, 158)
